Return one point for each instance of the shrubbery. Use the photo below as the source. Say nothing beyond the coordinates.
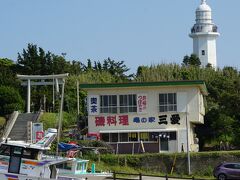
(202, 163)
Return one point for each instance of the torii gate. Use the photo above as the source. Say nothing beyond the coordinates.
(41, 80)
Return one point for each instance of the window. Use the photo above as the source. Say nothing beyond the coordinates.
(5, 150)
(230, 166)
(108, 104)
(27, 153)
(105, 137)
(167, 102)
(153, 136)
(133, 136)
(172, 135)
(79, 166)
(17, 150)
(128, 103)
(30, 153)
(114, 137)
(203, 52)
(144, 136)
(123, 137)
(237, 166)
(66, 165)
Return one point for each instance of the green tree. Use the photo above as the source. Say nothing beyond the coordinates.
(7, 73)
(10, 100)
(117, 69)
(34, 61)
(6, 62)
(89, 65)
(223, 127)
(60, 65)
(193, 60)
(76, 68)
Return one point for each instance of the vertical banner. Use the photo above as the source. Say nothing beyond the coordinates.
(93, 105)
(37, 132)
(142, 103)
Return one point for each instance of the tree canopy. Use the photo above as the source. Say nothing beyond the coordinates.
(193, 60)
(10, 100)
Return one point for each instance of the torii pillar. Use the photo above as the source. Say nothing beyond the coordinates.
(28, 95)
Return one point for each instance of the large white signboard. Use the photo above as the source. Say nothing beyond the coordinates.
(133, 122)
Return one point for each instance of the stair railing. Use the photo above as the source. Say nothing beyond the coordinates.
(10, 124)
(37, 116)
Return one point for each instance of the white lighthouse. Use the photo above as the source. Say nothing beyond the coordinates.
(204, 34)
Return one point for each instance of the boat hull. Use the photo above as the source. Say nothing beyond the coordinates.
(88, 176)
(10, 176)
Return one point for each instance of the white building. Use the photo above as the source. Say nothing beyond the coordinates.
(146, 116)
(204, 34)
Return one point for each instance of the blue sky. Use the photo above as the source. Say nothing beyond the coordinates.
(139, 32)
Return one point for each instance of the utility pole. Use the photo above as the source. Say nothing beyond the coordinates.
(78, 106)
(188, 150)
(53, 98)
(60, 116)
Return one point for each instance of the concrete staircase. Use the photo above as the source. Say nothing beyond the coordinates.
(19, 130)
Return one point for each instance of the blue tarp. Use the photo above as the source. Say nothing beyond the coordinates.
(66, 147)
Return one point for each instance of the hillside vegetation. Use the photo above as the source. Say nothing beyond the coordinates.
(202, 163)
(222, 104)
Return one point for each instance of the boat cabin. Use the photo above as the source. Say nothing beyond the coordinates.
(15, 154)
(27, 159)
(74, 166)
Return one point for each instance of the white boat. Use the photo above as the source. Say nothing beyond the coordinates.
(77, 168)
(27, 161)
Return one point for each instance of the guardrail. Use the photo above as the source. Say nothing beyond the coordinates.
(38, 115)
(141, 176)
(10, 124)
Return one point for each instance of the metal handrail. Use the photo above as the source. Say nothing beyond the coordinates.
(10, 124)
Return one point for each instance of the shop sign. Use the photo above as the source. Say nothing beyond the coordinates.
(141, 103)
(121, 120)
(162, 119)
(93, 105)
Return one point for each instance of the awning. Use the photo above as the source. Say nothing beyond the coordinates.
(66, 147)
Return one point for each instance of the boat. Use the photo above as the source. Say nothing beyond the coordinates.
(76, 167)
(27, 161)
(23, 161)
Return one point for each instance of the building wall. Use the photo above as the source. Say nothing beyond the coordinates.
(207, 43)
(189, 106)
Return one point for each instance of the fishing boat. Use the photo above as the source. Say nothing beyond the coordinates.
(76, 167)
(26, 161)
